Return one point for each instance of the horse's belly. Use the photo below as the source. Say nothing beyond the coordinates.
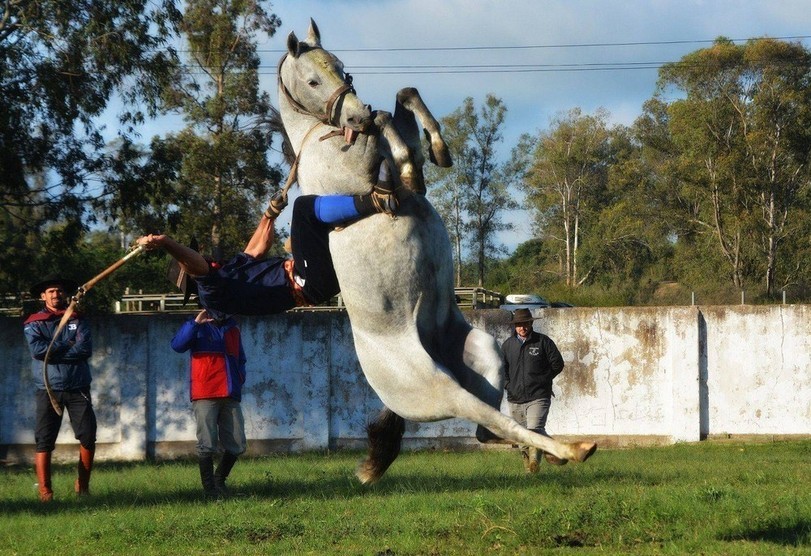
(390, 268)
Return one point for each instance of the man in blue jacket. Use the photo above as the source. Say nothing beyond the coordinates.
(216, 376)
(69, 378)
(531, 361)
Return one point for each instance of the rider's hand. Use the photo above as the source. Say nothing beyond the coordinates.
(277, 204)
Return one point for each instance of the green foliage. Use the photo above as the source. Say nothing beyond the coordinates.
(741, 138)
(223, 176)
(60, 64)
(473, 194)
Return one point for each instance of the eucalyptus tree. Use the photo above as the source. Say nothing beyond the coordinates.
(473, 194)
(741, 124)
(61, 63)
(566, 175)
(224, 171)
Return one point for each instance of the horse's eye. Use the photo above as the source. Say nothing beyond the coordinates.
(312, 83)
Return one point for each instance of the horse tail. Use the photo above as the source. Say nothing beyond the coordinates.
(385, 439)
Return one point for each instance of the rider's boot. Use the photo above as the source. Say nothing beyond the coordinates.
(383, 197)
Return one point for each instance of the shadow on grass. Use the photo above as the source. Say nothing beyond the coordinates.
(316, 482)
(796, 534)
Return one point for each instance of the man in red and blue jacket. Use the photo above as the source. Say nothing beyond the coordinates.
(217, 373)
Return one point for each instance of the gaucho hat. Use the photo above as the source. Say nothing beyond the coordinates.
(53, 280)
(522, 315)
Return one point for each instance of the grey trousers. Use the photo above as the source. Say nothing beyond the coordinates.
(532, 415)
(219, 424)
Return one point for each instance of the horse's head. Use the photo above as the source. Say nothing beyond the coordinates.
(312, 81)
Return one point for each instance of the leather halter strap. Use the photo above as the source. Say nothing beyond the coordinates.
(329, 106)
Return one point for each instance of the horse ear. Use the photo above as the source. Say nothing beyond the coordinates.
(292, 44)
(313, 34)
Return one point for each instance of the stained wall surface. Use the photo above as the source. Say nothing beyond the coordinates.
(632, 376)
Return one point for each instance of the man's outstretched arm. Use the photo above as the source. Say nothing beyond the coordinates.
(189, 260)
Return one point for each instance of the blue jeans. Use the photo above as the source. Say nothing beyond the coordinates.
(532, 415)
(219, 423)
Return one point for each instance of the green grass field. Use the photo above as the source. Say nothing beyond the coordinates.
(707, 498)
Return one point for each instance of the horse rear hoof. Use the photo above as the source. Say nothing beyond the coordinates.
(584, 450)
(554, 460)
(367, 474)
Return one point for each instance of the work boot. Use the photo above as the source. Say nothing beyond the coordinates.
(84, 467)
(223, 470)
(534, 459)
(277, 204)
(525, 459)
(207, 475)
(42, 464)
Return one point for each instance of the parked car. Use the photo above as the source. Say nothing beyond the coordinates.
(524, 301)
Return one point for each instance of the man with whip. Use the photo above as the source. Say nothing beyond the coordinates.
(61, 345)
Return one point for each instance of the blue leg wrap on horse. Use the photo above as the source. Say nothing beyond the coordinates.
(333, 209)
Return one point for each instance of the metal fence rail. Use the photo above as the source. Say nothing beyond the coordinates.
(133, 303)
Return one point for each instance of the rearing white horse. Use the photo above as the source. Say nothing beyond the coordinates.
(396, 274)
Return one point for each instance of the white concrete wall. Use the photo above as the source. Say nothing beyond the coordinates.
(633, 375)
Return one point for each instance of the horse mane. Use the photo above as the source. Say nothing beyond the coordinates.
(277, 126)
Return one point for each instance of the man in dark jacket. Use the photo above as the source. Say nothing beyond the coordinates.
(531, 361)
(69, 379)
(251, 282)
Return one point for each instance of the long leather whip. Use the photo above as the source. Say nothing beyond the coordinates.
(74, 300)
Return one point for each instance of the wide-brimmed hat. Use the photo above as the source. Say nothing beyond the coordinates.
(53, 280)
(522, 315)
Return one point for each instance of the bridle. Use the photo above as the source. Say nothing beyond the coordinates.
(323, 119)
(329, 106)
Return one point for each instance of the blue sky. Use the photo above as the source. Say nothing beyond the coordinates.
(578, 53)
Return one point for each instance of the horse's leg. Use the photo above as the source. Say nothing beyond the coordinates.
(512, 433)
(481, 374)
(385, 438)
(415, 387)
(397, 151)
(409, 98)
(475, 360)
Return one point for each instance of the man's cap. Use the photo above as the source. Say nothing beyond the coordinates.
(53, 280)
(522, 315)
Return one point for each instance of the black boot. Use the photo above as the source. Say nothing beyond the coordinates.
(207, 475)
(223, 470)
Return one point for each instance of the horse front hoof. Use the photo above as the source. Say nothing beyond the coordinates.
(440, 155)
